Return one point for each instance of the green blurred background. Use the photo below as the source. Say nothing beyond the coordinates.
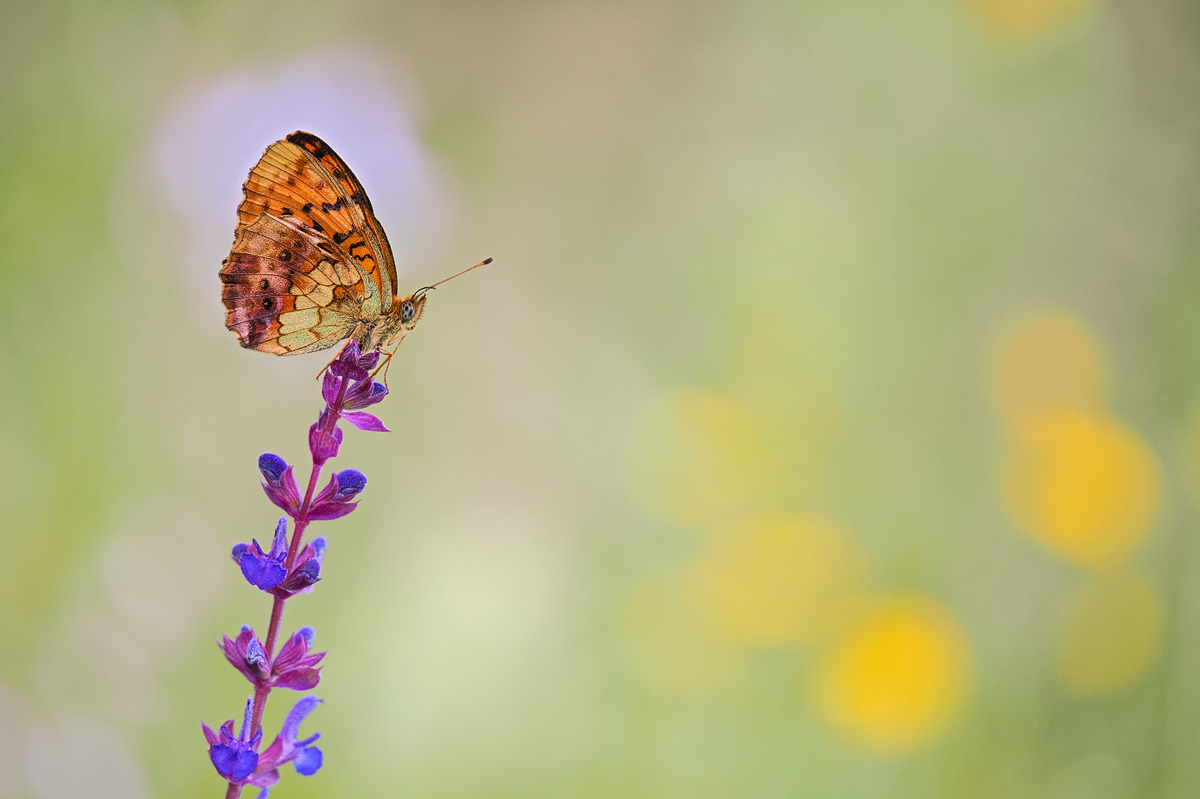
(825, 427)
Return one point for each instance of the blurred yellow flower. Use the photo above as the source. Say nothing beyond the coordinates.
(1081, 484)
(694, 458)
(777, 581)
(1113, 635)
(1020, 18)
(896, 678)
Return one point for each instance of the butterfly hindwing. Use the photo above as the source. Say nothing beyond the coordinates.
(287, 291)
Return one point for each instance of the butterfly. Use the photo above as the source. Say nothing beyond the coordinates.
(310, 264)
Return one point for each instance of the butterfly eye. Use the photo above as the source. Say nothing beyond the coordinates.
(407, 309)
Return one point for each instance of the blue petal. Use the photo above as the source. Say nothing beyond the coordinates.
(262, 573)
(308, 760)
(232, 762)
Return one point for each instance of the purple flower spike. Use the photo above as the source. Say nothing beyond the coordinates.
(347, 389)
(285, 748)
(235, 758)
(265, 570)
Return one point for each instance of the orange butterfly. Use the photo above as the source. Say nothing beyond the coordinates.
(310, 263)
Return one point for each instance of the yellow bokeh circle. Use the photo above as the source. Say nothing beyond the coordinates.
(1113, 635)
(1021, 18)
(896, 678)
(1049, 362)
(1081, 484)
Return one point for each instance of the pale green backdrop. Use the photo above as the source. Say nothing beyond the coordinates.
(825, 426)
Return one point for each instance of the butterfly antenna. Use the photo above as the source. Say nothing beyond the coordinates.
(484, 262)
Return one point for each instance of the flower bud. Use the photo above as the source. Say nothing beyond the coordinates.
(272, 467)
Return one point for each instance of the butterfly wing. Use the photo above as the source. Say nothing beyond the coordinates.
(301, 180)
(288, 290)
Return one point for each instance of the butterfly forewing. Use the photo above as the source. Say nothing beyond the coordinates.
(301, 180)
(359, 205)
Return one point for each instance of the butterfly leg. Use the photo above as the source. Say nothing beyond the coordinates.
(387, 361)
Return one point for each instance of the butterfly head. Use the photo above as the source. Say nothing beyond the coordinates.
(410, 309)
